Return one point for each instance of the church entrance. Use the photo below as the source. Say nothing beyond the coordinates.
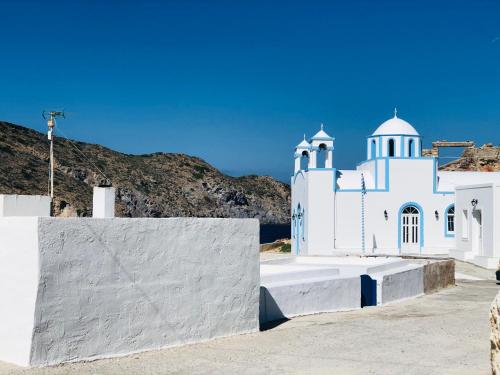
(410, 233)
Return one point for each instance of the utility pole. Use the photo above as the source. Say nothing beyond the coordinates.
(51, 116)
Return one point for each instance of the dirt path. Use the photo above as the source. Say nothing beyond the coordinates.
(442, 333)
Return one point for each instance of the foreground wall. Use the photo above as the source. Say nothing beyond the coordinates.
(108, 287)
(19, 277)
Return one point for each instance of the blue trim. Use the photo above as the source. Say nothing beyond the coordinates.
(421, 211)
(403, 137)
(397, 157)
(373, 149)
(321, 169)
(434, 180)
(386, 186)
(446, 232)
(376, 190)
(387, 171)
(297, 239)
(296, 175)
(303, 224)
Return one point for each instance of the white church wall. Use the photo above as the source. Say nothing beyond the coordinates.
(320, 211)
(411, 181)
(24, 205)
(348, 221)
(108, 287)
(380, 175)
(19, 276)
(408, 181)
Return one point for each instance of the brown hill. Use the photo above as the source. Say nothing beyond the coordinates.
(153, 185)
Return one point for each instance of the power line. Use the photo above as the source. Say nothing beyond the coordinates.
(73, 144)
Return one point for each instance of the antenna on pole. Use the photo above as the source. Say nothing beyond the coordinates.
(51, 116)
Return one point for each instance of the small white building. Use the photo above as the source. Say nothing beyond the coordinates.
(477, 216)
(394, 202)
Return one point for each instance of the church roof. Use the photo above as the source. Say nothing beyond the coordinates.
(321, 135)
(304, 143)
(395, 125)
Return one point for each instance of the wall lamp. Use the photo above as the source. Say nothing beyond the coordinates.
(386, 215)
(436, 214)
(474, 202)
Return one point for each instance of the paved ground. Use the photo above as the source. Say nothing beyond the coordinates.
(442, 333)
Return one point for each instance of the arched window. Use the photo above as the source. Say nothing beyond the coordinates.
(410, 148)
(304, 161)
(391, 147)
(450, 220)
(321, 156)
(373, 149)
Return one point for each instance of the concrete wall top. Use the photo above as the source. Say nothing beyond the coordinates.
(24, 205)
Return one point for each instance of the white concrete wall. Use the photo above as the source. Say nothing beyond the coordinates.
(320, 211)
(488, 205)
(24, 205)
(19, 274)
(393, 285)
(110, 287)
(304, 296)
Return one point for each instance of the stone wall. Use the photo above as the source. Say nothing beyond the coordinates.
(108, 287)
(495, 335)
(438, 275)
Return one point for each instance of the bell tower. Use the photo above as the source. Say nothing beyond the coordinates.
(322, 150)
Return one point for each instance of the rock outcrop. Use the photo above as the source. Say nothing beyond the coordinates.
(482, 159)
(152, 185)
(495, 335)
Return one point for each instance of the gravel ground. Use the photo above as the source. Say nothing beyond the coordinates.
(442, 333)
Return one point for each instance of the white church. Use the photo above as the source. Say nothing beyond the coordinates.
(394, 202)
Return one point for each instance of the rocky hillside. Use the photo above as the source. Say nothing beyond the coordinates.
(484, 159)
(153, 185)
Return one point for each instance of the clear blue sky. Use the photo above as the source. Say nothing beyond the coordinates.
(238, 83)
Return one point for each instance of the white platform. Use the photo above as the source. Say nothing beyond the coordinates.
(307, 285)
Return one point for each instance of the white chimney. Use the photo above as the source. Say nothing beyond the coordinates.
(104, 202)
